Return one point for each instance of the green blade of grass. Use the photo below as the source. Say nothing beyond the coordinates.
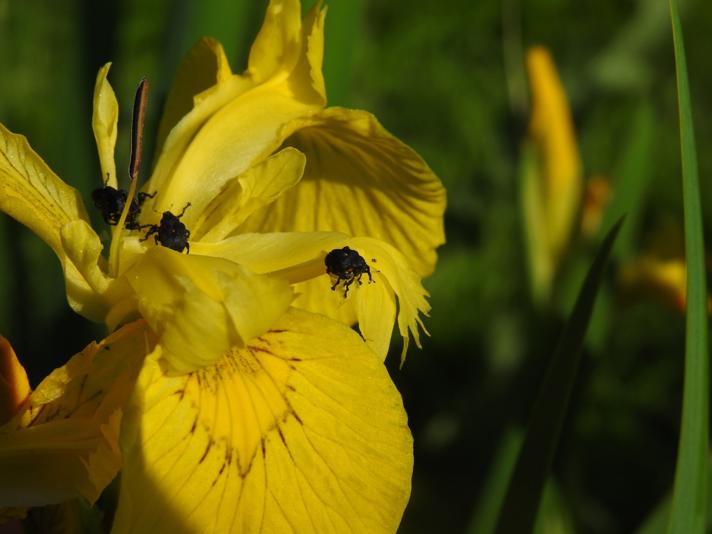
(521, 503)
(687, 514)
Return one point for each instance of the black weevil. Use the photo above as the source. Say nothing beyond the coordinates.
(347, 266)
(110, 202)
(170, 232)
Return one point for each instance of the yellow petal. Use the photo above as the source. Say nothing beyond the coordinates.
(289, 50)
(307, 79)
(234, 126)
(32, 194)
(204, 66)
(64, 442)
(238, 135)
(278, 43)
(201, 306)
(104, 123)
(258, 186)
(301, 431)
(85, 281)
(360, 180)
(376, 314)
(299, 258)
(206, 105)
(393, 269)
(14, 386)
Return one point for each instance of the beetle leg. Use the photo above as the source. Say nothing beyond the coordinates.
(183, 212)
(347, 284)
(152, 229)
(143, 196)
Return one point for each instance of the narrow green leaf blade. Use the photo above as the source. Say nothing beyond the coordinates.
(521, 503)
(687, 515)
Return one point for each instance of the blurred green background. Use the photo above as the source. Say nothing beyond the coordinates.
(446, 77)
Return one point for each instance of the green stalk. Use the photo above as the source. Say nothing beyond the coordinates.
(689, 500)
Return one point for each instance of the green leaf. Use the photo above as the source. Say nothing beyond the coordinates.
(521, 503)
(687, 515)
(344, 26)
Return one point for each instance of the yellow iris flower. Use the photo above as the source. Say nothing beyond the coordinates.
(243, 400)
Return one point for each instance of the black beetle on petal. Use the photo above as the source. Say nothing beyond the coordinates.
(348, 266)
(110, 202)
(170, 232)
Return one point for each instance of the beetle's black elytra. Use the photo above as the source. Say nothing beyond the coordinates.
(170, 232)
(110, 202)
(348, 266)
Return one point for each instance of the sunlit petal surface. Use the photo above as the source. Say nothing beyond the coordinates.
(360, 180)
(204, 66)
(200, 306)
(299, 258)
(257, 187)
(302, 431)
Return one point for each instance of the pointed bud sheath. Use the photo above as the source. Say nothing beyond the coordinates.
(550, 173)
(14, 386)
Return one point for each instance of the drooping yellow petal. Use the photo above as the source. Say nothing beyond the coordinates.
(299, 258)
(63, 444)
(204, 66)
(360, 180)
(258, 186)
(14, 386)
(301, 431)
(33, 195)
(393, 267)
(200, 306)
(104, 124)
